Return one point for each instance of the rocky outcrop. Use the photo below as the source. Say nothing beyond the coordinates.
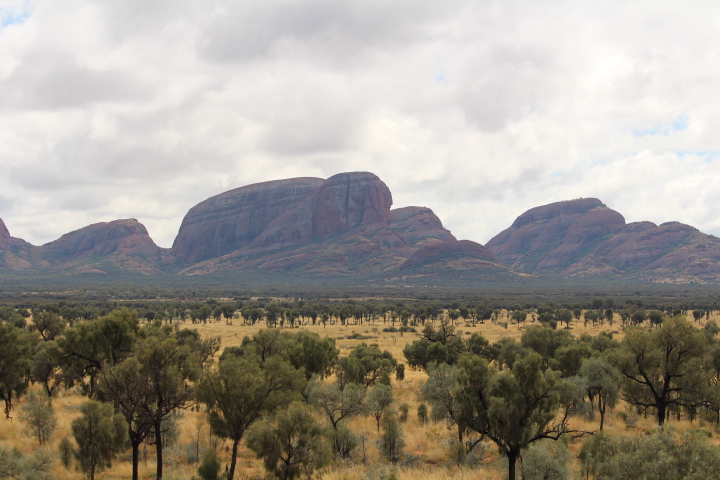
(343, 227)
(552, 237)
(117, 246)
(123, 245)
(585, 238)
(15, 253)
(343, 202)
(5, 237)
(419, 225)
(128, 237)
(232, 220)
(456, 252)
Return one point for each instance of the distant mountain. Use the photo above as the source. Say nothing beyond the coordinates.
(585, 238)
(120, 245)
(345, 226)
(310, 226)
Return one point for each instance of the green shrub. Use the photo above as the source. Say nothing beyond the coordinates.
(209, 469)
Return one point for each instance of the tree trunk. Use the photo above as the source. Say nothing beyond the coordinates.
(233, 459)
(512, 455)
(661, 411)
(601, 409)
(135, 459)
(158, 450)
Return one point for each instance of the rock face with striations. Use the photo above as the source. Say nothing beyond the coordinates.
(552, 237)
(5, 237)
(341, 228)
(585, 238)
(232, 220)
(343, 202)
(419, 225)
(345, 227)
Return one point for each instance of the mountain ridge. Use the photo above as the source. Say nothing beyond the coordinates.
(345, 226)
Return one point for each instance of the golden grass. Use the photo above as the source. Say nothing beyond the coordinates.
(429, 442)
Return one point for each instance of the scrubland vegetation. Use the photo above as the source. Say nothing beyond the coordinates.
(359, 390)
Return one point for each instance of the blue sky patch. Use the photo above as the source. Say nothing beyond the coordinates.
(707, 156)
(10, 17)
(678, 125)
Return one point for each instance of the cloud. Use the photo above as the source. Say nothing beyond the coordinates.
(478, 110)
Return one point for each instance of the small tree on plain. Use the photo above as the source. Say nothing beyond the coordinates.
(38, 416)
(99, 433)
(290, 443)
(391, 441)
(379, 399)
(65, 449)
(422, 413)
(209, 469)
(404, 410)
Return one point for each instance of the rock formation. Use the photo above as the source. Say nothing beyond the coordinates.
(419, 225)
(345, 226)
(120, 245)
(452, 255)
(585, 238)
(232, 220)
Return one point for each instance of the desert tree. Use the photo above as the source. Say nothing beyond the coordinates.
(378, 402)
(661, 368)
(45, 367)
(49, 325)
(391, 440)
(126, 386)
(603, 384)
(38, 416)
(87, 346)
(240, 390)
(16, 465)
(513, 409)
(16, 350)
(440, 391)
(290, 442)
(99, 433)
(337, 405)
(169, 369)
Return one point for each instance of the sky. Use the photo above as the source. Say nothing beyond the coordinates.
(479, 110)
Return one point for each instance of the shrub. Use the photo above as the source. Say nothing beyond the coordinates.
(209, 469)
(422, 413)
(546, 460)
(391, 441)
(404, 410)
(65, 449)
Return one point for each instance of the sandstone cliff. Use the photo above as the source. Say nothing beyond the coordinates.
(232, 220)
(117, 246)
(585, 238)
(419, 225)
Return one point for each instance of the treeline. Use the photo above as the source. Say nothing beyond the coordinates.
(292, 312)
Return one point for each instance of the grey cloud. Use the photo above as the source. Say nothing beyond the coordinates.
(117, 109)
(45, 82)
(330, 29)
